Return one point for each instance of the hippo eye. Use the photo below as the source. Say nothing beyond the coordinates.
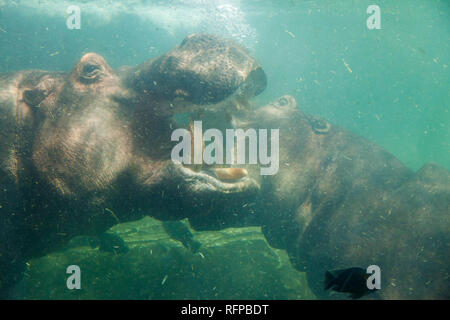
(90, 72)
(90, 69)
(283, 102)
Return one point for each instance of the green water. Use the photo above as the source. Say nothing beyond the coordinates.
(389, 85)
(396, 95)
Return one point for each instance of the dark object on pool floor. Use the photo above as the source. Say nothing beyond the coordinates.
(109, 242)
(351, 280)
(179, 231)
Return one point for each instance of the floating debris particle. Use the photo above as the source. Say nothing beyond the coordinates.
(290, 33)
(3, 30)
(54, 53)
(347, 66)
(164, 279)
(109, 211)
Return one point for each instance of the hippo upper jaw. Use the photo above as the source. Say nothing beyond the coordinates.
(203, 70)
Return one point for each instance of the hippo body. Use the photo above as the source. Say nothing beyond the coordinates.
(340, 201)
(82, 151)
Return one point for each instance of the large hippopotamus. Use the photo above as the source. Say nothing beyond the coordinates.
(84, 150)
(339, 201)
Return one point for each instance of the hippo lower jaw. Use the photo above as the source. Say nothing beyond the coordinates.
(185, 193)
(207, 181)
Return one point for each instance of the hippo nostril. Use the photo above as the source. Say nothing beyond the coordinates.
(283, 102)
(319, 126)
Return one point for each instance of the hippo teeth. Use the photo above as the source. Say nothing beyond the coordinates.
(230, 173)
(222, 174)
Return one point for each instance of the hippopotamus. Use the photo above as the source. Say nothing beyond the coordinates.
(83, 150)
(340, 201)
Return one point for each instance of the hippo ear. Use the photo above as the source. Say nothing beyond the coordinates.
(34, 96)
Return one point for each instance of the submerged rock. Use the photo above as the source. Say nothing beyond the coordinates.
(231, 264)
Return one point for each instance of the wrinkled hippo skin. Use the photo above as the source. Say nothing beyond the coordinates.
(340, 201)
(82, 151)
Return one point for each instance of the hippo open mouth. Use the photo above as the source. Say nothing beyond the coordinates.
(205, 73)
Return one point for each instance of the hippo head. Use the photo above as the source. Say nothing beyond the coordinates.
(104, 136)
(300, 155)
(202, 70)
